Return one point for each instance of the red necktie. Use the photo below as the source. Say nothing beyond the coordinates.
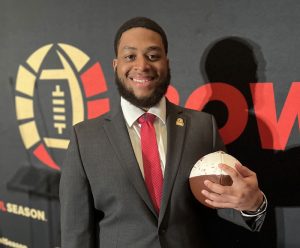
(151, 159)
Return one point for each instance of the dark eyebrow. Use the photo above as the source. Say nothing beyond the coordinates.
(151, 48)
(154, 48)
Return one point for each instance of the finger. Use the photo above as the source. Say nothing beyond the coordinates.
(215, 187)
(215, 197)
(230, 171)
(243, 170)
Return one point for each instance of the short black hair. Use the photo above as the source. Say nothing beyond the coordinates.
(140, 22)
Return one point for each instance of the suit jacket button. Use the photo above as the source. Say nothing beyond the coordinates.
(162, 230)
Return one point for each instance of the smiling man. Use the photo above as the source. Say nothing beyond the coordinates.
(125, 183)
(142, 67)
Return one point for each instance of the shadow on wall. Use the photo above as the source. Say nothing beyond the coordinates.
(239, 63)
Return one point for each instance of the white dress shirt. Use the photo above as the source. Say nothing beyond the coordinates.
(131, 115)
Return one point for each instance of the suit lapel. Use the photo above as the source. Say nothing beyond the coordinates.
(176, 127)
(118, 135)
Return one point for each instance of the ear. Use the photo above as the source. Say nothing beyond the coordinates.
(115, 63)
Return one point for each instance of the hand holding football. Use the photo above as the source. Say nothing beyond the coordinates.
(207, 168)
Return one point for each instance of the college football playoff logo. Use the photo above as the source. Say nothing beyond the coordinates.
(57, 87)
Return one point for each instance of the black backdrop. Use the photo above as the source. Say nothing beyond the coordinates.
(249, 49)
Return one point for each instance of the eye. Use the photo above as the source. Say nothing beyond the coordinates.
(130, 57)
(154, 57)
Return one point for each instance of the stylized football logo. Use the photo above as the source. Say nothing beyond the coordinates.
(55, 89)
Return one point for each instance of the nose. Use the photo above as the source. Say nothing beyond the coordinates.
(141, 63)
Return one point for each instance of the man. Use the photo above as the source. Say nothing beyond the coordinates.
(110, 196)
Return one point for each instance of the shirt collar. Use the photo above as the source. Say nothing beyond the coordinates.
(132, 112)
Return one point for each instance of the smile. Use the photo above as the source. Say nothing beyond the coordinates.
(142, 80)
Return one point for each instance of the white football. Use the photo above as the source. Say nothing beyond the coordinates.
(207, 168)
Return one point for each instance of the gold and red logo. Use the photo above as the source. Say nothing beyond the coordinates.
(57, 87)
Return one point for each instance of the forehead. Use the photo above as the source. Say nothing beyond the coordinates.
(140, 38)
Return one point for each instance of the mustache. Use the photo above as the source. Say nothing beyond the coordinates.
(145, 102)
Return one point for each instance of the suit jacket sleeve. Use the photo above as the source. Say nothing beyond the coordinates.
(77, 212)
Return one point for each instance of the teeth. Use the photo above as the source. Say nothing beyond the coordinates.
(140, 80)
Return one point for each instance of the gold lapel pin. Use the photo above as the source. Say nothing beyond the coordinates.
(180, 122)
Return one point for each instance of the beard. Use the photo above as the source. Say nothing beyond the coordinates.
(144, 102)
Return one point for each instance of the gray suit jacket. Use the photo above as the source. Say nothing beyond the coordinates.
(105, 203)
